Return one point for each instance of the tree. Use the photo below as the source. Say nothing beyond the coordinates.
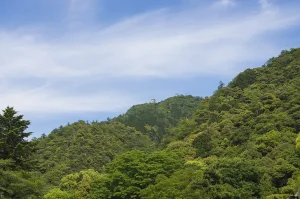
(221, 85)
(133, 171)
(19, 184)
(13, 143)
(79, 185)
(56, 193)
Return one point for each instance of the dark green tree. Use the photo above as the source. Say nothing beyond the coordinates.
(13, 143)
(221, 85)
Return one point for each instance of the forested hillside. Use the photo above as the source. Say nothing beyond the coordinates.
(157, 119)
(92, 145)
(82, 145)
(242, 142)
(244, 138)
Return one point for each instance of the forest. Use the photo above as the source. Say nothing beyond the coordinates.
(242, 142)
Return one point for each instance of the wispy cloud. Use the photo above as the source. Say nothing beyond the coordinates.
(225, 3)
(267, 7)
(48, 101)
(81, 11)
(157, 44)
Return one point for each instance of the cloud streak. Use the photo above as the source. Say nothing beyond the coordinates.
(158, 44)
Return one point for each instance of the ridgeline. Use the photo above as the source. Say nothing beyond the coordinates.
(242, 142)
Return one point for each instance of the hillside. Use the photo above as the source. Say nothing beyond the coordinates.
(242, 142)
(243, 138)
(82, 145)
(156, 119)
(92, 145)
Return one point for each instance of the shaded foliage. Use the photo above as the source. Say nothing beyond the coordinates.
(156, 119)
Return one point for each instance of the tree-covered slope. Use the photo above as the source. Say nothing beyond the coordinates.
(259, 105)
(244, 137)
(82, 145)
(242, 142)
(156, 119)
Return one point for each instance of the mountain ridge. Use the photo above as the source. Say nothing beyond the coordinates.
(241, 142)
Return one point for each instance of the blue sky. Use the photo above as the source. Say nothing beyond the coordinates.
(64, 60)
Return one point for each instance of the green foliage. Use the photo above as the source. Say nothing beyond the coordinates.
(298, 142)
(242, 142)
(56, 193)
(184, 148)
(100, 188)
(278, 196)
(76, 185)
(244, 79)
(256, 118)
(13, 143)
(16, 181)
(156, 119)
(135, 170)
(19, 184)
(223, 178)
(203, 144)
(81, 145)
(124, 177)
(268, 141)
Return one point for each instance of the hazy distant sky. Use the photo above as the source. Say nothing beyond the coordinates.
(64, 60)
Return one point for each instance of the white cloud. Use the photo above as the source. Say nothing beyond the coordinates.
(267, 7)
(225, 3)
(81, 11)
(49, 101)
(159, 44)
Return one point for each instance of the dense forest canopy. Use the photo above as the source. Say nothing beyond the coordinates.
(156, 119)
(242, 142)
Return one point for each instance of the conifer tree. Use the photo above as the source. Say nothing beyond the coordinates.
(13, 143)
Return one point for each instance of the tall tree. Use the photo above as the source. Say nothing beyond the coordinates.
(13, 143)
